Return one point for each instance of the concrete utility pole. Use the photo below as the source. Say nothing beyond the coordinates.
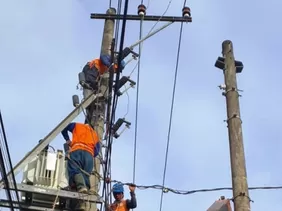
(238, 166)
(99, 108)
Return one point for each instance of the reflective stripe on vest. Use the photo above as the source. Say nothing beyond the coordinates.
(82, 145)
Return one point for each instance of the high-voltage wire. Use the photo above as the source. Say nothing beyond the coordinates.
(188, 192)
(171, 110)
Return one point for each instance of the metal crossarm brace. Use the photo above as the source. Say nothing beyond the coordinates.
(39, 147)
(145, 18)
(54, 192)
(23, 206)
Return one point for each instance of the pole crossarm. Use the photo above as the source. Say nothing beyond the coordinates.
(23, 206)
(54, 192)
(39, 147)
(144, 18)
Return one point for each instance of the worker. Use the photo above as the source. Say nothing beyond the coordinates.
(94, 69)
(83, 147)
(120, 204)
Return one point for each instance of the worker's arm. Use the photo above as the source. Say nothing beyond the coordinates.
(68, 128)
(131, 203)
(106, 60)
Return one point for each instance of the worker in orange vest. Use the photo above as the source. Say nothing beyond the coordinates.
(95, 68)
(83, 148)
(121, 204)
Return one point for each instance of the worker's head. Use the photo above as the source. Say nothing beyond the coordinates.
(118, 191)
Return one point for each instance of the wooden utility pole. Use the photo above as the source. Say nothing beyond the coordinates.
(98, 108)
(238, 166)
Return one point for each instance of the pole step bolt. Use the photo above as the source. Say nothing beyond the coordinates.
(142, 10)
(186, 12)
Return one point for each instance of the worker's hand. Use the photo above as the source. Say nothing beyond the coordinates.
(68, 142)
(132, 188)
(108, 208)
(113, 207)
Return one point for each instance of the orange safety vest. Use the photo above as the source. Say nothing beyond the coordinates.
(84, 138)
(97, 63)
(121, 206)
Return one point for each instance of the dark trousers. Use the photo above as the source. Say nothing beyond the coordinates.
(91, 76)
(80, 159)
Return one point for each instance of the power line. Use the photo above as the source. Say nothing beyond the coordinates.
(188, 192)
(137, 98)
(115, 99)
(171, 110)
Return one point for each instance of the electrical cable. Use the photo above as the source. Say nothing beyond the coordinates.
(6, 181)
(9, 158)
(115, 99)
(109, 141)
(171, 110)
(188, 192)
(118, 73)
(168, 5)
(137, 99)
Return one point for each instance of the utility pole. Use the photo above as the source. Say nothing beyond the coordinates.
(98, 108)
(95, 105)
(238, 166)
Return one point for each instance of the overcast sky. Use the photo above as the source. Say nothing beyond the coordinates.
(44, 44)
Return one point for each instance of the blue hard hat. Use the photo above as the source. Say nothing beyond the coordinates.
(122, 64)
(118, 188)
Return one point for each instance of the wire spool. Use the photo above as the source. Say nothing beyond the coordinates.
(75, 100)
(186, 12)
(142, 10)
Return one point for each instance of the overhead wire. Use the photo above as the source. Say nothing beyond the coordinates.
(9, 158)
(171, 109)
(108, 141)
(107, 169)
(152, 28)
(4, 166)
(188, 192)
(137, 98)
(138, 82)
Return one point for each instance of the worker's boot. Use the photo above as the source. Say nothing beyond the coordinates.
(80, 183)
(82, 206)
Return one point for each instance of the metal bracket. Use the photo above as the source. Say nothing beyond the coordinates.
(138, 17)
(232, 117)
(55, 192)
(233, 89)
(23, 206)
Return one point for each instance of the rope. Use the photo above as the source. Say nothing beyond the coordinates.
(171, 110)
